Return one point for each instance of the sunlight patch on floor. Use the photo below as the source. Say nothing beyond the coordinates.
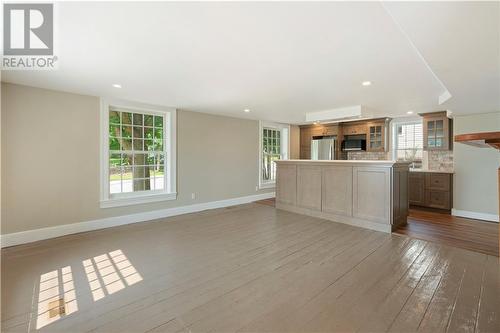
(56, 296)
(109, 273)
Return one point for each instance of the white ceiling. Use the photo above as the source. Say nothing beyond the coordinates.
(278, 59)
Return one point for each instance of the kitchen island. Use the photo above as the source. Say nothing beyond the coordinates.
(369, 194)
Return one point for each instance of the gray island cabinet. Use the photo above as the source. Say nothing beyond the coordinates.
(369, 194)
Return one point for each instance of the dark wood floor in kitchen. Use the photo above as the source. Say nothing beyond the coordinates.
(441, 227)
(475, 235)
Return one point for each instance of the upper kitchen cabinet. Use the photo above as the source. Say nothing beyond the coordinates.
(437, 131)
(307, 132)
(376, 135)
(354, 128)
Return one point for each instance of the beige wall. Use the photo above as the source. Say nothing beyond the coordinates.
(475, 180)
(50, 159)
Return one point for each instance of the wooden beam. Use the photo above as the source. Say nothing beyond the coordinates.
(482, 140)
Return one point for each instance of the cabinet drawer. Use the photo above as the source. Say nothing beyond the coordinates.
(437, 199)
(437, 181)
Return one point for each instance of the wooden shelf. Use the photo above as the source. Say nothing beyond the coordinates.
(482, 140)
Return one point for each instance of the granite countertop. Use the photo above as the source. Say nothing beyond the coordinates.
(431, 171)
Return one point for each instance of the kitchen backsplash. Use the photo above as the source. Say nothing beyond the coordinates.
(433, 160)
(440, 160)
(367, 155)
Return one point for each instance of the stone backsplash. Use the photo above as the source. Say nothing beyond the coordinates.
(367, 155)
(440, 160)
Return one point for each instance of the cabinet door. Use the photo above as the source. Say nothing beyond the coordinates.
(417, 189)
(331, 130)
(305, 136)
(361, 128)
(305, 142)
(317, 130)
(309, 187)
(376, 138)
(337, 190)
(436, 133)
(347, 129)
(354, 129)
(371, 194)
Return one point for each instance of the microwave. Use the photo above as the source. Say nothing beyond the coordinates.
(354, 144)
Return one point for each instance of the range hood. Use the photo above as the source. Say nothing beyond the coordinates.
(339, 114)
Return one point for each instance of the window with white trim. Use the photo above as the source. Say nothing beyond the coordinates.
(408, 141)
(138, 162)
(273, 146)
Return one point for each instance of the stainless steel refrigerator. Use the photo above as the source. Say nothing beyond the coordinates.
(323, 147)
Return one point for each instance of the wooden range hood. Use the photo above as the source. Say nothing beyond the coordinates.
(483, 140)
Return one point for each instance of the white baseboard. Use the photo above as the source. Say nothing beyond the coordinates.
(475, 215)
(24, 237)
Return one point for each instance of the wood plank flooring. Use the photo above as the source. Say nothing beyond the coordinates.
(249, 268)
(441, 227)
(480, 236)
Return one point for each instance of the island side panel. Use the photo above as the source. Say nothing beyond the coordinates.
(371, 194)
(400, 196)
(337, 190)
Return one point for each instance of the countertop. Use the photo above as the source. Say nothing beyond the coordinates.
(432, 171)
(386, 163)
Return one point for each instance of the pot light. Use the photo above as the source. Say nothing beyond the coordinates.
(246, 110)
(410, 112)
(116, 85)
(366, 83)
(316, 122)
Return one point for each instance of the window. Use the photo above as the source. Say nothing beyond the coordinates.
(408, 141)
(273, 147)
(138, 154)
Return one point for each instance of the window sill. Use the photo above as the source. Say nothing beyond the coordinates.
(136, 200)
(267, 185)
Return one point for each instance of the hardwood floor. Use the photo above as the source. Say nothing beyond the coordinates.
(446, 229)
(437, 226)
(248, 268)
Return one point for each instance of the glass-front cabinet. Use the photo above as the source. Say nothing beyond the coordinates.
(436, 131)
(375, 137)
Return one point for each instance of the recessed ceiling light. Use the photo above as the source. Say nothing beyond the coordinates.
(246, 110)
(410, 112)
(366, 83)
(116, 85)
(316, 122)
